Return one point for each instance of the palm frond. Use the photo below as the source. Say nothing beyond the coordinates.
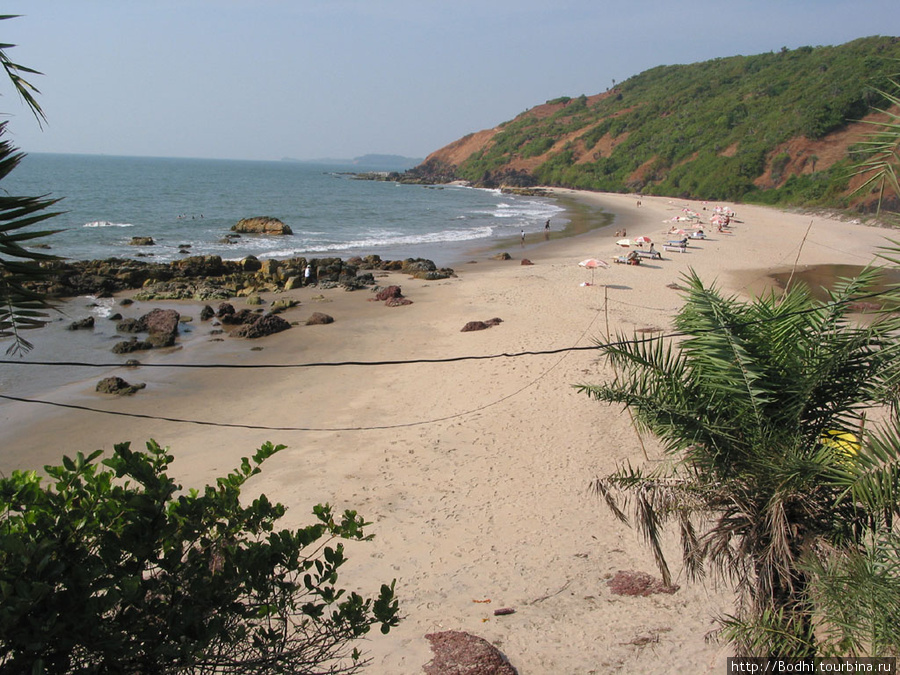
(858, 592)
(881, 153)
(25, 89)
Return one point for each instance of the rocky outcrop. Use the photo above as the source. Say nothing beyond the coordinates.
(118, 386)
(261, 225)
(263, 326)
(392, 296)
(132, 345)
(161, 326)
(142, 241)
(205, 278)
(81, 324)
(480, 325)
(459, 653)
(319, 319)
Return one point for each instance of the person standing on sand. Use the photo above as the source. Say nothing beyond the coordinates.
(523, 237)
(306, 275)
(547, 225)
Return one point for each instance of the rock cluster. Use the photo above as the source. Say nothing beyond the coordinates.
(209, 278)
(161, 326)
(392, 296)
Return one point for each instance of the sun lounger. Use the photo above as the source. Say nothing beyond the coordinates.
(631, 259)
(654, 255)
(677, 242)
(677, 248)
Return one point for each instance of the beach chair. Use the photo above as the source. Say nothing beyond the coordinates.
(676, 245)
(632, 258)
(653, 255)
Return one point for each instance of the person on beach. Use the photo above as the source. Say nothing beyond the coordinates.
(547, 225)
(523, 237)
(306, 275)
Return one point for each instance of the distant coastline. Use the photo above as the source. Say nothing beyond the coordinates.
(371, 161)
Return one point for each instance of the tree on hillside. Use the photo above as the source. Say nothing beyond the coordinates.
(20, 307)
(116, 569)
(880, 154)
(770, 471)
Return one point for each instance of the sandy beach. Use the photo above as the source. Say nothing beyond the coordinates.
(474, 472)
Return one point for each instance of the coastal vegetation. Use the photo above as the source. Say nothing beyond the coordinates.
(113, 568)
(780, 423)
(776, 128)
(773, 472)
(21, 307)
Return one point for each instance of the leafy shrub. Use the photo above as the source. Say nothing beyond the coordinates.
(116, 569)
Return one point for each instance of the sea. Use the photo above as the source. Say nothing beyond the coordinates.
(188, 206)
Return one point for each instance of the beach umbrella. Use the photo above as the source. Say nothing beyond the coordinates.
(624, 242)
(643, 239)
(592, 264)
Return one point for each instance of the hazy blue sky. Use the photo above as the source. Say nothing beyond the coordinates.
(266, 79)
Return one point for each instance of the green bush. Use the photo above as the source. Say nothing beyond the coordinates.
(113, 569)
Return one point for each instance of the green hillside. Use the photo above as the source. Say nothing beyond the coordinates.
(771, 128)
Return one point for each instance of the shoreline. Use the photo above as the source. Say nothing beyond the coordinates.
(474, 473)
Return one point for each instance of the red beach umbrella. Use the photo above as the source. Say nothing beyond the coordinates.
(592, 264)
(643, 240)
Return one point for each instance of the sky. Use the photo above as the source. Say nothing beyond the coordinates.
(312, 79)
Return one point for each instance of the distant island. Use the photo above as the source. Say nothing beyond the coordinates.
(371, 162)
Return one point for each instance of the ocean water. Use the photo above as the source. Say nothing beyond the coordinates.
(193, 203)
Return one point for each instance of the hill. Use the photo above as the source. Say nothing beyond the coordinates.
(774, 128)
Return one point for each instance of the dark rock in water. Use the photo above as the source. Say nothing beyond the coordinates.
(115, 317)
(82, 324)
(245, 316)
(319, 319)
(130, 325)
(116, 385)
(501, 256)
(459, 653)
(261, 225)
(162, 326)
(142, 241)
(224, 309)
(207, 313)
(263, 326)
(132, 345)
